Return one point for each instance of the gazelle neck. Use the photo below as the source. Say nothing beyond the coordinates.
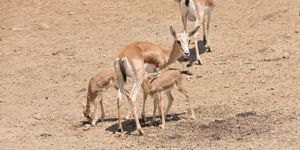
(174, 54)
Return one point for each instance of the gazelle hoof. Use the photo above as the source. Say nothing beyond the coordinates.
(137, 132)
(141, 131)
(199, 62)
(144, 118)
(208, 49)
(94, 122)
(120, 130)
(189, 64)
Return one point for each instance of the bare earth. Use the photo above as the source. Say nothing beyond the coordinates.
(245, 96)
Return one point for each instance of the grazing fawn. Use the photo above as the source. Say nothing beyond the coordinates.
(98, 84)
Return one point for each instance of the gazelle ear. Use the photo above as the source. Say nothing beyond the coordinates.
(194, 31)
(173, 32)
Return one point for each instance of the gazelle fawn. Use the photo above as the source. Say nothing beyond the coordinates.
(165, 82)
(134, 59)
(199, 11)
(98, 84)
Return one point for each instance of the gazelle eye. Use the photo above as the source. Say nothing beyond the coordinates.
(178, 42)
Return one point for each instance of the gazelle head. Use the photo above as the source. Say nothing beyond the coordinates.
(182, 39)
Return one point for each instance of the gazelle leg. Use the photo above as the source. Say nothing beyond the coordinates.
(155, 105)
(161, 110)
(95, 113)
(199, 19)
(144, 105)
(133, 96)
(170, 102)
(102, 109)
(181, 90)
(120, 96)
(207, 30)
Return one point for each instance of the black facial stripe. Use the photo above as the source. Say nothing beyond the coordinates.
(187, 2)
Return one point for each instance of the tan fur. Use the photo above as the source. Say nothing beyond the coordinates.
(98, 84)
(165, 82)
(205, 2)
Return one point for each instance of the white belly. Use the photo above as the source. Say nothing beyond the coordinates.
(150, 68)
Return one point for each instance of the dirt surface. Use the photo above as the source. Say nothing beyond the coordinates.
(245, 96)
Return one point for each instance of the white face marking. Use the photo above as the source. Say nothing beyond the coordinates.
(184, 43)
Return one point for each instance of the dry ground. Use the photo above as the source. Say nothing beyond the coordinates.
(246, 95)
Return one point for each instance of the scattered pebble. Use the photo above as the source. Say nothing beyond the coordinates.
(46, 97)
(44, 26)
(37, 116)
(296, 31)
(226, 86)
(71, 13)
(45, 134)
(286, 55)
(16, 28)
(262, 81)
(86, 127)
(199, 76)
(82, 90)
(189, 77)
(252, 68)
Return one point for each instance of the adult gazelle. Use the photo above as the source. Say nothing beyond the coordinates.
(199, 11)
(134, 59)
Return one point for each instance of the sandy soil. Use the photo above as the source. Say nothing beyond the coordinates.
(246, 95)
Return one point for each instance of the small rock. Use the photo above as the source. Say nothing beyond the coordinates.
(16, 28)
(198, 76)
(268, 73)
(82, 90)
(71, 13)
(86, 127)
(286, 55)
(189, 77)
(45, 134)
(262, 81)
(37, 116)
(44, 26)
(226, 86)
(152, 135)
(296, 31)
(46, 97)
(252, 68)
(220, 72)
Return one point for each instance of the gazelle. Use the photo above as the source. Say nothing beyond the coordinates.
(197, 10)
(134, 59)
(98, 84)
(165, 82)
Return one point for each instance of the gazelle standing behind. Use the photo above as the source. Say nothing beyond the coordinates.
(134, 59)
(199, 11)
(165, 82)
